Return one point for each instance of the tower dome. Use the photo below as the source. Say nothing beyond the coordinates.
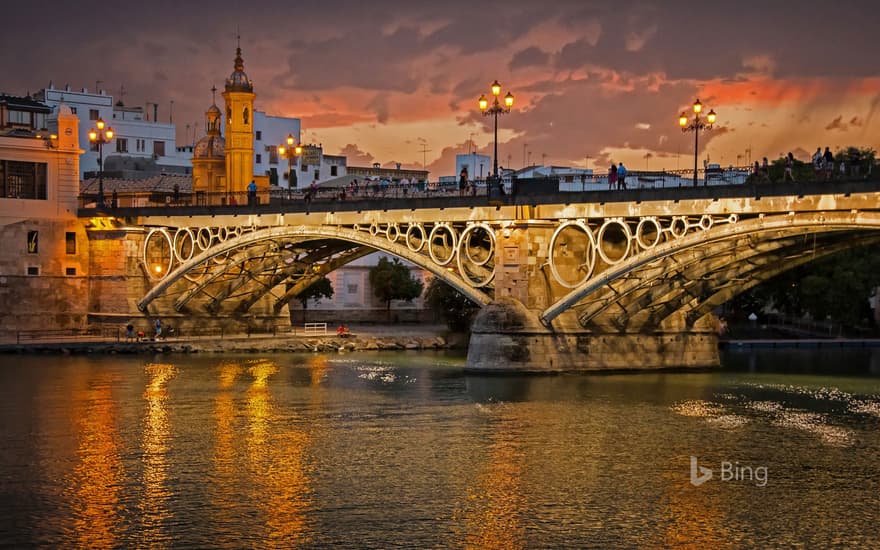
(238, 81)
(212, 145)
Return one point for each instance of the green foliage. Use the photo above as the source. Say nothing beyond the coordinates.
(391, 280)
(837, 287)
(322, 288)
(456, 310)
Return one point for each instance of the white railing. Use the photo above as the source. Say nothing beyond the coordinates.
(315, 329)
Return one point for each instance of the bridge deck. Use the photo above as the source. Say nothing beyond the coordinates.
(532, 196)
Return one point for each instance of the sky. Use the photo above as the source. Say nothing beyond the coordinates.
(391, 81)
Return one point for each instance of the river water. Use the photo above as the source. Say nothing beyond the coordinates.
(406, 450)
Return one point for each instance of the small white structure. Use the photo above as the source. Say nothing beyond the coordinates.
(478, 167)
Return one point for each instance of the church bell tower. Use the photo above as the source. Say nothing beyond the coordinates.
(239, 96)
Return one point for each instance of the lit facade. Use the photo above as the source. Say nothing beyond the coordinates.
(239, 97)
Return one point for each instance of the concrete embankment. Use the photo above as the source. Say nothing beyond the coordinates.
(244, 344)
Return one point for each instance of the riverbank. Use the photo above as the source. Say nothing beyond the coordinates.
(361, 339)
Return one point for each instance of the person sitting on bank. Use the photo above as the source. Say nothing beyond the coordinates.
(342, 331)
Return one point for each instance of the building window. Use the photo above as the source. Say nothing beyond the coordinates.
(273, 154)
(259, 158)
(70, 271)
(121, 145)
(22, 180)
(317, 174)
(33, 270)
(333, 170)
(158, 148)
(93, 114)
(304, 167)
(73, 110)
(33, 242)
(70, 242)
(259, 135)
(352, 289)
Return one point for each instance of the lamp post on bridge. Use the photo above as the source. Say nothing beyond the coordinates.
(291, 152)
(497, 108)
(695, 125)
(100, 135)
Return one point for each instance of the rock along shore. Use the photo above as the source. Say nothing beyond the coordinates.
(243, 344)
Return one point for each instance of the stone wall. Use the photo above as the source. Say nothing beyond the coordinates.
(54, 295)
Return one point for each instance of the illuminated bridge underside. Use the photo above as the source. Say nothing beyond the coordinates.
(672, 285)
(211, 267)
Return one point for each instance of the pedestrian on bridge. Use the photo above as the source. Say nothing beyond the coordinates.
(462, 181)
(621, 176)
(789, 166)
(612, 176)
(252, 193)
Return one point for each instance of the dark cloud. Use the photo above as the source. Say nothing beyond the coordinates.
(528, 57)
(356, 157)
(589, 75)
(836, 124)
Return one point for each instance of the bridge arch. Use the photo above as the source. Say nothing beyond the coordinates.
(633, 277)
(304, 233)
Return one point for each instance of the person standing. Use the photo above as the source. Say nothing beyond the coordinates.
(157, 325)
(828, 163)
(817, 162)
(789, 166)
(612, 176)
(462, 181)
(252, 193)
(621, 176)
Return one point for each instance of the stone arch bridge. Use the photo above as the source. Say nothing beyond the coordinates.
(590, 280)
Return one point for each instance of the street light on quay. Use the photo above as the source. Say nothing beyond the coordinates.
(694, 125)
(497, 108)
(100, 135)
(291, 152)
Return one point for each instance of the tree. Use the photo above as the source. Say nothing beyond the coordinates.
(322, 288)
(456, 310)
(837, 287)
(391, 280)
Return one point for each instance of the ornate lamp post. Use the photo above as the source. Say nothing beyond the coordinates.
(695, 125)
(291, 152)
(100, 135)
(496, 109)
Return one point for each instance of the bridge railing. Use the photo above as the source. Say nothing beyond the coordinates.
(391, 191)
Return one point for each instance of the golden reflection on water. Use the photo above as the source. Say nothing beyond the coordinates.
(492, 515)
(224, 436)
(274, 455)
(98, 474)
(154, 505)
(693, 515)
(317, 366)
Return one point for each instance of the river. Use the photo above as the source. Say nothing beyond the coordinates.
(406, 450)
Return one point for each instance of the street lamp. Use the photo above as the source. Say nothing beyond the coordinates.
(291, 151)
(496, 109)
(100, 135)
(695, 125)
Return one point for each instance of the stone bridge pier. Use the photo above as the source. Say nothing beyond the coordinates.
(536, 265)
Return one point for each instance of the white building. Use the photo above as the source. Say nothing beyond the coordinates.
(478, 167)
(136, 136)
(269, 133)
(140, 136)
(353, 300)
